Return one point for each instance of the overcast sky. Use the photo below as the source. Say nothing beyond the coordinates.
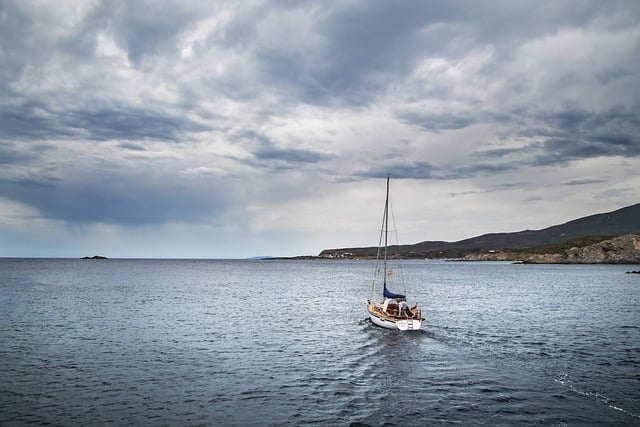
(243, 128)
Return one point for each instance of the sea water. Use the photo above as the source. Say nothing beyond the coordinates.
(275, 342)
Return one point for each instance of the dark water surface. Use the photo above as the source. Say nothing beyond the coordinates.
(183, 342)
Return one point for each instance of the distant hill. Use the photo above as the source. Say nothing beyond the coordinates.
(610, 224)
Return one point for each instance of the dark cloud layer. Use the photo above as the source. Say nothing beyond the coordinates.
(438, 122)
(34, 121)
(280, 159)
(10, 155)
(577, 134)
(132, 112)
(427, 171)
(127, 197)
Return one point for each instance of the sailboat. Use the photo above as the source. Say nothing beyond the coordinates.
(392, 312)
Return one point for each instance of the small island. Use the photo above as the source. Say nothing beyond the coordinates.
(94, 257)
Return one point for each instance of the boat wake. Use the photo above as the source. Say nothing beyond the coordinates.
(566, 381)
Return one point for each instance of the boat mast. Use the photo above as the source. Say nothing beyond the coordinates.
(386, 232)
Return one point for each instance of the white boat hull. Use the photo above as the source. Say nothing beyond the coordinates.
(395, 324)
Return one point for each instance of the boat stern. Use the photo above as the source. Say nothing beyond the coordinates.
(409, 324)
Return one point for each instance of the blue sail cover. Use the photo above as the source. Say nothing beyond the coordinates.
(388, 294)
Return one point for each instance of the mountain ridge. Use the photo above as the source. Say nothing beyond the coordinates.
(611, 224)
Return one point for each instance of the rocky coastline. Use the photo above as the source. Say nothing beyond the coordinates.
(619, 250)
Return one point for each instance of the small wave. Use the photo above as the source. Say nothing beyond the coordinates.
(599, 397)
(631, 414)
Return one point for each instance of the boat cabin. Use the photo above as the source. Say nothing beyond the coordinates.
(396, 307)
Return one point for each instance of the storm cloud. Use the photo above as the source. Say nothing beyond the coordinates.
(255, 119)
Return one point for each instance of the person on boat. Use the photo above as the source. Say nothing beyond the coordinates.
(402, 306)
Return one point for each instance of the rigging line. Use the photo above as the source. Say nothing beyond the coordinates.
(376, 271)
(395, 230)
